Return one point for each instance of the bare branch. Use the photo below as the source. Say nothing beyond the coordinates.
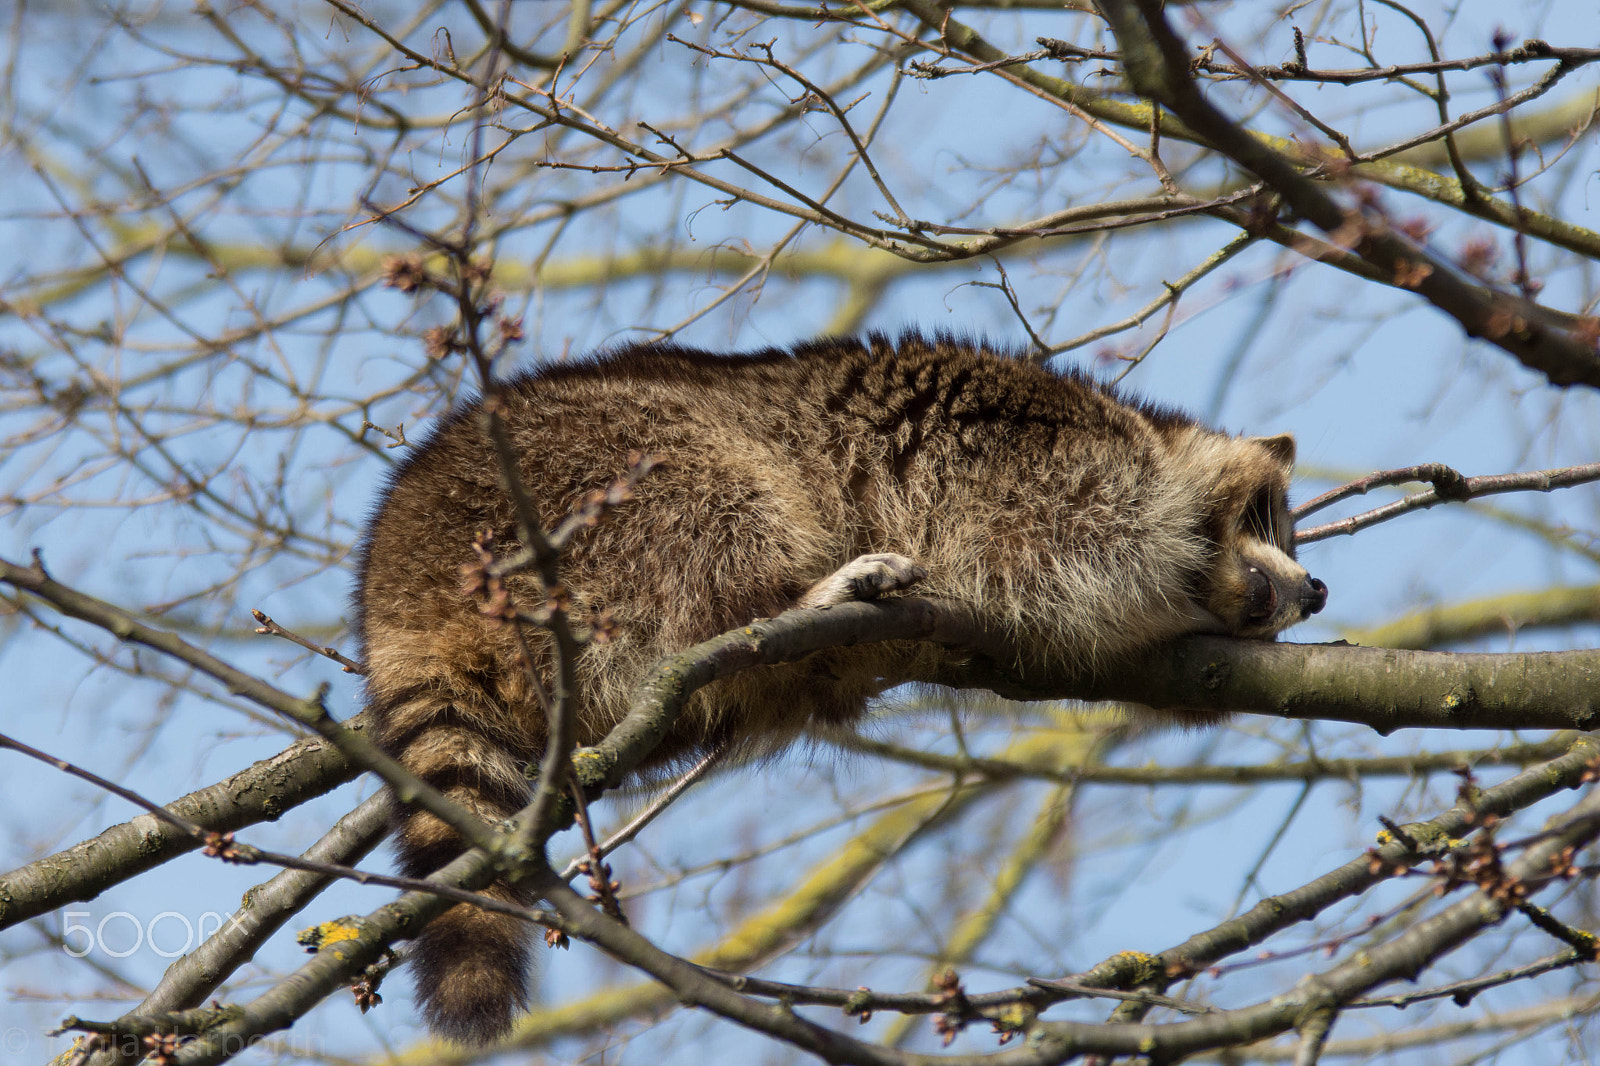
(262, 792)
(267, 625)
(1449, 487)
(1158, 67)
(309, 712)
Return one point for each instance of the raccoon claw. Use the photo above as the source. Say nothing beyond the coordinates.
(865, 577)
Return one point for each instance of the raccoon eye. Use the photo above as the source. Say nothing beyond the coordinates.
(1258, 517)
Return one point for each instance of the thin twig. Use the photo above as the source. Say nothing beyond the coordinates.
(667, 797)
(269, 626)
(1453, 491)
(1171, 291)
(1443, 478)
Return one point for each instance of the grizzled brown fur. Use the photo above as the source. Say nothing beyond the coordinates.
(1085, 526)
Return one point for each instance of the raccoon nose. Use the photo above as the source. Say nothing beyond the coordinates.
(1314, 596)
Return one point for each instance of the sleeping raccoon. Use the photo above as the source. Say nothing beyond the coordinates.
(1084, 526)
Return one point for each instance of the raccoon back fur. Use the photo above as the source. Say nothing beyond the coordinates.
(1085, 526)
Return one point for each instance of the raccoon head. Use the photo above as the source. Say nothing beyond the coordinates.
(1255, 588)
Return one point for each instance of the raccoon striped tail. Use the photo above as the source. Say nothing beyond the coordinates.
(470, 965)
(471, 970)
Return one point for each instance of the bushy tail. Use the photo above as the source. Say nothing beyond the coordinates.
(470, 965)
(471, 970)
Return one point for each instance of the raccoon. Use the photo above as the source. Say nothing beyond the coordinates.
(1085, 526)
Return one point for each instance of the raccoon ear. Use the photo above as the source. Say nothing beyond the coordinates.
(1280, 447)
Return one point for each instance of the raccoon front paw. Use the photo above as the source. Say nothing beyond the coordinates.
(865, 577)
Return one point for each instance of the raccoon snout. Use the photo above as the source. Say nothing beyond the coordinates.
(1313, 596)
(1261, 597)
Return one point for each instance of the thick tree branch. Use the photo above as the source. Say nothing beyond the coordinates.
(1383, 688)
(265, 910)
(1157, 65)
(306, 712)
(260, 793)
(664, 692)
